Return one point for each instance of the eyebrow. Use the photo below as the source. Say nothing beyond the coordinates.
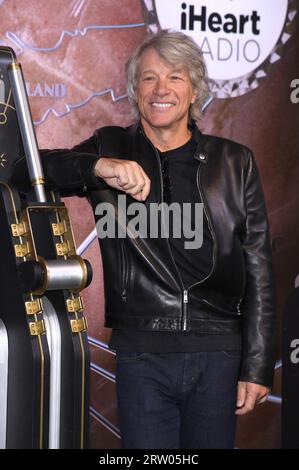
(153, 71)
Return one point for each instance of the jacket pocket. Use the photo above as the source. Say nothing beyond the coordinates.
(124, 271)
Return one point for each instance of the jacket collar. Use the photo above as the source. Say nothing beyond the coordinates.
(200, 153)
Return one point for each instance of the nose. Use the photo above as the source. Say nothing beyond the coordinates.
(161, 88)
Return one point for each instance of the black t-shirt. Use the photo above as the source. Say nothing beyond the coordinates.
(179, 171)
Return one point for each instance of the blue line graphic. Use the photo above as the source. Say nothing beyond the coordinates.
(70, 107)
(22, 45)
(77, 32)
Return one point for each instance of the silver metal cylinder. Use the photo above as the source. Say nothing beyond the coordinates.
(40, 192)
(67, 274)
(27, 130)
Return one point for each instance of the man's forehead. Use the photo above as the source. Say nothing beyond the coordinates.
(150, 62)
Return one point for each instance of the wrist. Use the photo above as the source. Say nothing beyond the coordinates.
(97, 168)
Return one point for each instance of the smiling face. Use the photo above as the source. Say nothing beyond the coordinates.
(164, 93)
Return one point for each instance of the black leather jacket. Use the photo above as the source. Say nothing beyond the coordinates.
(143, 288)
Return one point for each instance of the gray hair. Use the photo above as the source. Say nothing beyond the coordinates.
(176, 49)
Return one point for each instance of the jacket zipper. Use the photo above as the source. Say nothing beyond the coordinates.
(185, 310)
(214, 251)
(184, 324)
(124, 272)
(124, 263)
(185, 293)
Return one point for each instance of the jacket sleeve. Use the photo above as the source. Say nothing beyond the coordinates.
(69, 171)
(259, 300)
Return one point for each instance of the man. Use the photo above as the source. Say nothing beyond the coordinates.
(192, 328)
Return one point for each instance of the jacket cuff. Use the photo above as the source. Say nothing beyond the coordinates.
(262, 376)
(89, 178)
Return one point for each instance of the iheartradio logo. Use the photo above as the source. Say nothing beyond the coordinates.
(240, 40)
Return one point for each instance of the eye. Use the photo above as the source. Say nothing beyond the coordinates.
(149, 78)
(175, 77)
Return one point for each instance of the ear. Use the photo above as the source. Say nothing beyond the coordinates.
(193, 98)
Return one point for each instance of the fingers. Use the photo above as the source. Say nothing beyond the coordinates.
(126, 175)
(263, 399)
(248, 405)
(249, 395)
(241, 395)
(133, 180)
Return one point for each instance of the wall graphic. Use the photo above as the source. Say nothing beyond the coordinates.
(73, 55)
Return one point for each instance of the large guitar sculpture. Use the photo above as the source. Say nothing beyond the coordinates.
(44, 354)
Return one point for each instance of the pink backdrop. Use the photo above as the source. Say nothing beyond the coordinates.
(74, 70)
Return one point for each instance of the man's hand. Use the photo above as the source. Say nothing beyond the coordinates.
(249, 395)
(125, 175)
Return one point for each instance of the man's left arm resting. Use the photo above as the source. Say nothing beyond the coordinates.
(257, 370)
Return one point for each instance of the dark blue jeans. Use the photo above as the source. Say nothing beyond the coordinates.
(177, 400)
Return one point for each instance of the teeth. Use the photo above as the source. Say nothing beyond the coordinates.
(162, 105)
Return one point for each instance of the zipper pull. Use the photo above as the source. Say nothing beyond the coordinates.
(185, 300)
(124, 295)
